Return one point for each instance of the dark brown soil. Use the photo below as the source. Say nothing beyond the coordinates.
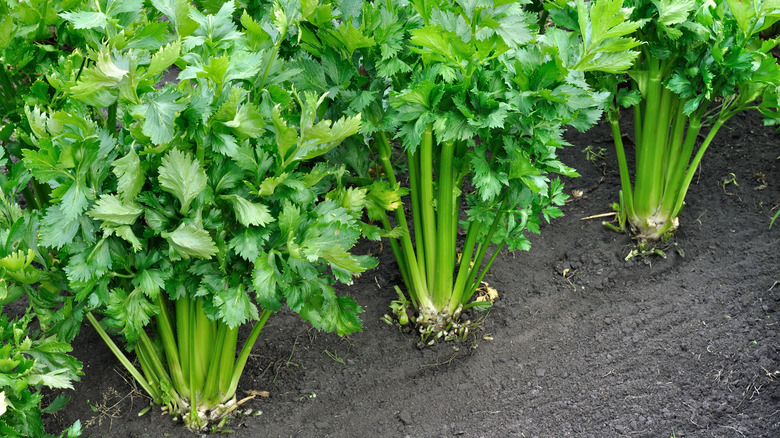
(685, 346)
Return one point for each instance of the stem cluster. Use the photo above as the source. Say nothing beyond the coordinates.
(428, 265)
(191, 366)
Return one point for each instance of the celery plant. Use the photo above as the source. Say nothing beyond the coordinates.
(30, 359)
(204, 205)
(478, 101)
(701, 63)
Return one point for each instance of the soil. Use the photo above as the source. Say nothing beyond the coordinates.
(580, 343)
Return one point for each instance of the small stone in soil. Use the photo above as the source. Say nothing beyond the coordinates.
(405, 417)
(540, 372)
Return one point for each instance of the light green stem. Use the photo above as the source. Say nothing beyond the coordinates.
(655, 130)
(165, 331)
(405, 255)
(211, 386)
(155, 394)
(226, 360)
(625, 178)
(678, 166)
(444, 248)
(243, 356)
(403, 258)
(182, 310)
(146, 347)
(428, 215)
(465, 260)
(195, 380)
(201, 329)
(271, 59)
(148, 371)
(637, 131)
(398, 254)
(473, 288)
(674, 150)
(419, 244)
(695, 165)
(661, 149)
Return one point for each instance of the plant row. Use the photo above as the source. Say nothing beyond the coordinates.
(174, 170)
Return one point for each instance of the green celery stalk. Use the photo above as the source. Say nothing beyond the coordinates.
(679, 166)
(201, 328)
(243, 356)
(646, 171)
(695, 165)
(625, 183)
(181, 309)
(415, 194)
(211, 380)
(152, 391)
(459, 290)
(445, 248)
(427, 214)
(165, 331)
(676, 143)
(404, 254)
(226, 360)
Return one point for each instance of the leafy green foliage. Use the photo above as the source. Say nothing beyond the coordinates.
(130, 175)
(604, 26)
(182, 176)
(28, 362)
(158, 114)
(32, 36)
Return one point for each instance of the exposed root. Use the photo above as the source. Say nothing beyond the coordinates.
(215, 417)
(441, 326)
(432, 325)
(432, 328)
(647, 250)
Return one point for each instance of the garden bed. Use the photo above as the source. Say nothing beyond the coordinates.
(685, 346)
